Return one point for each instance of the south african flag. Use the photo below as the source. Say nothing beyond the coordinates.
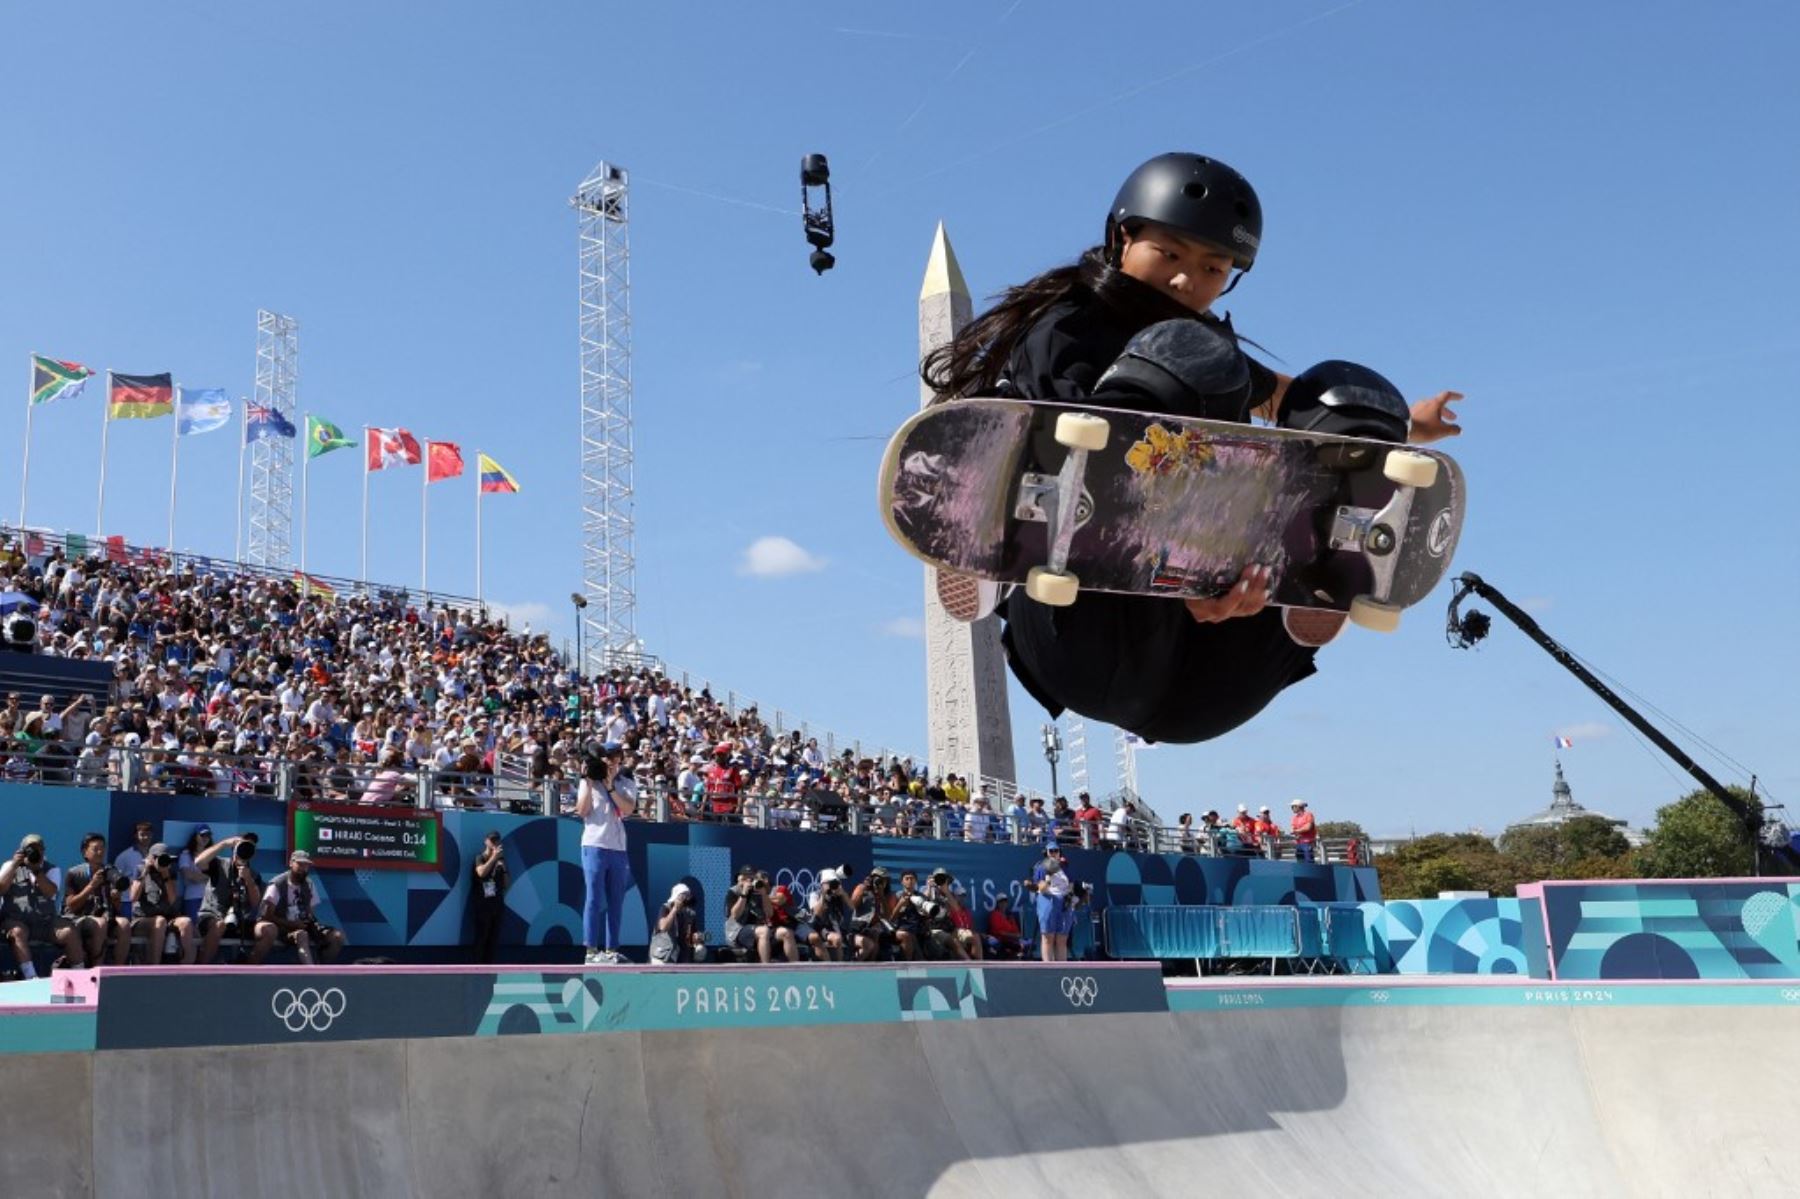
(322, 437)
(53, 379)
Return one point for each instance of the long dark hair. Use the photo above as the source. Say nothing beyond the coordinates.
(974, 362)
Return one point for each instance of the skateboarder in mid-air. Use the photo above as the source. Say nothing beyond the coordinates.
(1129, 325)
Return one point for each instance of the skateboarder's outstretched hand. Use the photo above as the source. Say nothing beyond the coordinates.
(1250, 596)
(1432, 419)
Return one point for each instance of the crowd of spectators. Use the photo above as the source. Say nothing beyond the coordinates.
(223, 678)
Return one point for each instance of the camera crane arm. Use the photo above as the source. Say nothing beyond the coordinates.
(1465, 630)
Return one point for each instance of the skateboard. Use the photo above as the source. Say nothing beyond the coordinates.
(1063, 499)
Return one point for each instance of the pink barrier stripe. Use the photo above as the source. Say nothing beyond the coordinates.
(1765, 881)
(1389, 982)
(578, 968)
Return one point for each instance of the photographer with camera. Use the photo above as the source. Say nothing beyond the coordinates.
(833, 933)
(678, 938)
(944, 889)
(156, 907)
(747, 914)
(606, 796)
(1055, 919)
(870, 904)
(92, 892)
(487, 895)
(233, 889)
(290, 908)
(28, 883)
(909, 916)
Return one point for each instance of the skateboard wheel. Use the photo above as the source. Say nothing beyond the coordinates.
(1374, 615)
(1409, 469)
(1054, 588)
(1081, 431)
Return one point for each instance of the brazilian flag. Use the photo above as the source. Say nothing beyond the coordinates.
(322, 437)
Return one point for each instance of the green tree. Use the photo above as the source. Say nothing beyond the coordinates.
(1697, 836)
(1342, 830)
(1551, 851)
(1447, 862)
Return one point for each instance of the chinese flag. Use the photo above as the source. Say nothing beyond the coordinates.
(443, 460)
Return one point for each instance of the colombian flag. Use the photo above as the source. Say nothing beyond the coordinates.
(494, 478)
(140, 397)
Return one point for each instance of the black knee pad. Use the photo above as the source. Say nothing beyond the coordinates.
(1185, 367)
(1346, 399)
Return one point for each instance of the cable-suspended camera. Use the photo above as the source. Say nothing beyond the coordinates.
(815, 172)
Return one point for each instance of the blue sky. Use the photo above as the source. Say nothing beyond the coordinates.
(1583, 221)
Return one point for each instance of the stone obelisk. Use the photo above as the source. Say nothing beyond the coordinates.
(970, 726)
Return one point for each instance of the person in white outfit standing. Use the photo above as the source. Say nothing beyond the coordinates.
(606, 796)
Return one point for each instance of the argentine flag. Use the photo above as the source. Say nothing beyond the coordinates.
(200, 411)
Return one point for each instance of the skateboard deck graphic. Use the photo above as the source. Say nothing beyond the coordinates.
(1169, 506)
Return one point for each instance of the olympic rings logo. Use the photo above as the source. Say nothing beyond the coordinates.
(1080, 991)
(308, 1008)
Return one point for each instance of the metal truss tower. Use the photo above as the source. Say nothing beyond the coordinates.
(271, 517)
(1075, 750)
(609, 619)
(1125, 755)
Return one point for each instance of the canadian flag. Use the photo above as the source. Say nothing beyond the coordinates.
(392, 447)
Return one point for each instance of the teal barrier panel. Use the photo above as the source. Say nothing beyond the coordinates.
(1259, 932)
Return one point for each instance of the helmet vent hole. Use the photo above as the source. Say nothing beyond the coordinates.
(1194, 191)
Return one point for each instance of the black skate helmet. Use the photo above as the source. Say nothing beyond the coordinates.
(1348, 399)
(1191, 194)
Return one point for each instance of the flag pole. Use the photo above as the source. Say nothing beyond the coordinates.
(237, 528)
(478, 526)
(105, 428)
(25, 469)
(424, 523)
(174, 462)
(305, 471)
(365, 514)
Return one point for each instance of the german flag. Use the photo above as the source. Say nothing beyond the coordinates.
(140, 397)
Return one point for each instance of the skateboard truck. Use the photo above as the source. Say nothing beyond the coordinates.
(1060, 502)
(1372, 531)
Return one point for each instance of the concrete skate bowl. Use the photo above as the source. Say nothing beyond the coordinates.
(1415, 1099)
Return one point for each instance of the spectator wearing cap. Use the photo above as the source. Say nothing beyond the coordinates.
(603, 799)
(1054, 917)
(1002, 940)
(488, 879)
(28, 907)
(156, 908)
(725, 781)
(677, 937)
(979, 825)
(1245, 825)
(947, 891)
(233, 891)
(1305, 830)
(290, 905)
(92, 892)
(1089, 819)
(831, 918)
(784, 929)
(1268, 833)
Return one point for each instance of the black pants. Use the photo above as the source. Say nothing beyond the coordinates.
(487, 927)
(1143, 664)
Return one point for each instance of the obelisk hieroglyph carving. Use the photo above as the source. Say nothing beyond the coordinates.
(967, 716)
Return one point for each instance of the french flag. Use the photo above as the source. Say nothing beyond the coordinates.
(1564, 743)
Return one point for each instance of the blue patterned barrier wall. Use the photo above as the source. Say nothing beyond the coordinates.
(412, 910)
(1735, 928)
(1456, 936)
